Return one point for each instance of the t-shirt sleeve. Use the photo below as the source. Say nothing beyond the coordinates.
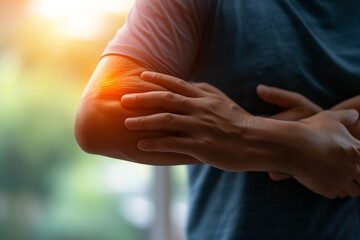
(162, 35)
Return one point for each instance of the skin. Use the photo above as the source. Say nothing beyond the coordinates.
(185, 123)
(212, 123)
(202, 119)
(99, 125)
(296, 107)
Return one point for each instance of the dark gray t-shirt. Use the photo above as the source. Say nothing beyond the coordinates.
(311, 47)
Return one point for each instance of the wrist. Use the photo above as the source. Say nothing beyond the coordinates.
(274, 145)
(293, 142)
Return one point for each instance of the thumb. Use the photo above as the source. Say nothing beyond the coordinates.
(347, 117)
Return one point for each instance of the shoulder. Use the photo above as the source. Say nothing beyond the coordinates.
(166, 7)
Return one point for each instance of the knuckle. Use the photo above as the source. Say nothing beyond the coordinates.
(159, 76)
(169, 96)
(184, 101)
(168, 118)
(181, 83)
(213, 106)
(141, 122)
(138, 99)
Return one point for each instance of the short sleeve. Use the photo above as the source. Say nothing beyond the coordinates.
(162, 35)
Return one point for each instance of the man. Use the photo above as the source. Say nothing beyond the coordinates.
(307, 47)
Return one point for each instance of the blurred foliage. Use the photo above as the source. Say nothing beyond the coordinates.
(49, 188)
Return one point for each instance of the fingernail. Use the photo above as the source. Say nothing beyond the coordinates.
(355, 114)
(128, 99)
(131, 122)
(264, 89)
(143, 144)
(147, 75)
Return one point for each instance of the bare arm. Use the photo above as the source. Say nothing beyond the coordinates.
(297, 107)
(158, 35)
(319, 150)
(99, 127)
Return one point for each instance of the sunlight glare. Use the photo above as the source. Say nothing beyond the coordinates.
(78, 18)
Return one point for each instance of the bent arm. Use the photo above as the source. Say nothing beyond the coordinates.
(99, 126)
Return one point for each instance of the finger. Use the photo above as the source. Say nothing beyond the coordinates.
(292, 114)
(183, 145)
(348, 104)
(278, 176)
(162, 122)
(352, 190)
(209, 88)
(346, 117)
(283, 98)
(158, 99)
(174, 84)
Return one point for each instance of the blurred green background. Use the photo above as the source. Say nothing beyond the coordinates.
(49, 188)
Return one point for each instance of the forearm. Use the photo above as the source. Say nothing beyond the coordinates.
(214, 129)
(271, 145)
(99, 127)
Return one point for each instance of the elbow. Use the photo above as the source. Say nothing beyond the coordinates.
(83, 133)
(98, 130)
(83, 141)
(90, 127)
